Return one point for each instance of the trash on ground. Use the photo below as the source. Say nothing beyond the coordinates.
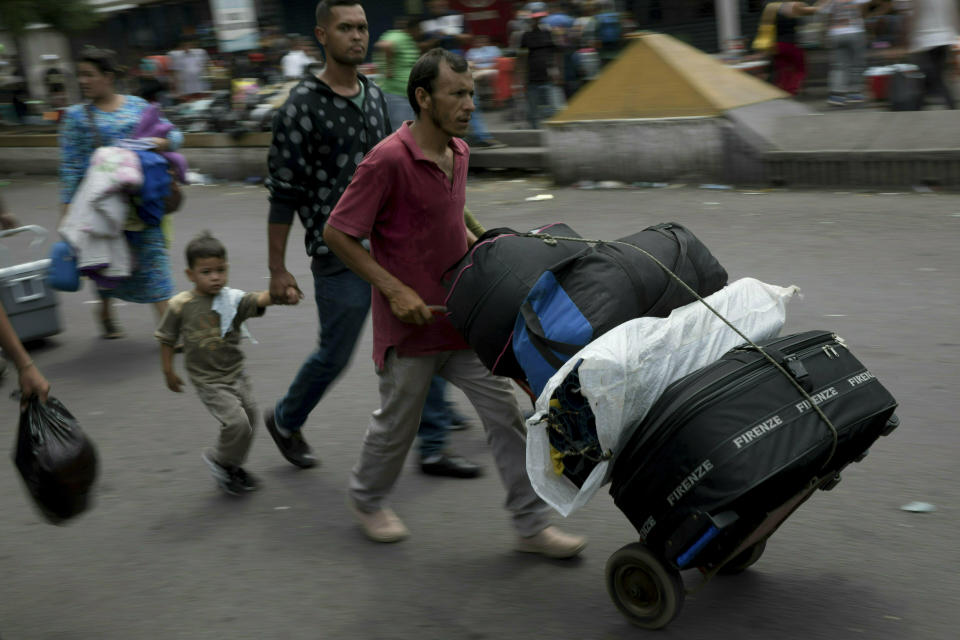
(919, 507)
(922, 188)
(586, 184)
(711, 203)
(651, 185)
(253, 180)
(540, 196)
(610, 184)
(195, 178)
(716, 187)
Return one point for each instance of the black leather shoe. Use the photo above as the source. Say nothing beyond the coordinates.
(451, 466)
(293, 447)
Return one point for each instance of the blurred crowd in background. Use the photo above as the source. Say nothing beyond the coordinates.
(560, 45)
(529, 67)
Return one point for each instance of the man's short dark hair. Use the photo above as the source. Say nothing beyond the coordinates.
(323, 9)
(426, 70)
(204, 246)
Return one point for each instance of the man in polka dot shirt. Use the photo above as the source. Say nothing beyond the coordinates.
(320, 135)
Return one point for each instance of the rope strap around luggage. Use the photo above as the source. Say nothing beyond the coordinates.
(552, 240)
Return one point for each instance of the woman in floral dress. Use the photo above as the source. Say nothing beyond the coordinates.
(116, 117)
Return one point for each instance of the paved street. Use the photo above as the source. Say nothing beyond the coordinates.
(164, 555)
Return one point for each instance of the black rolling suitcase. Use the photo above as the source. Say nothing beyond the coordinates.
(728, 444)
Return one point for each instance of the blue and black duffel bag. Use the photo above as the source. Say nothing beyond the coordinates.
(488, 285)
(582, 297)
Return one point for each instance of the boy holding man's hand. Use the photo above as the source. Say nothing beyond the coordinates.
(210, 320)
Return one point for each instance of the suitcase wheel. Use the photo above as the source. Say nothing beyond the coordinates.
(647, 591)
(892, 424)
(831, 483)
(860, 457)
(742, 561)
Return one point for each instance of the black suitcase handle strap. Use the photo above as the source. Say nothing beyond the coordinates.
(800, 386)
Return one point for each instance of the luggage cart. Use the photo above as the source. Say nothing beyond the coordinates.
(30, 304)
(648, 589)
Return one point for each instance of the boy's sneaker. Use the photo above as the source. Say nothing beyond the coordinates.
(292, 447)
(225, 478)
(552, 543)
(246, 480)
(836, 101)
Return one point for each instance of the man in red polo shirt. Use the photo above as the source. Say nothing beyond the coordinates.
(407, 197)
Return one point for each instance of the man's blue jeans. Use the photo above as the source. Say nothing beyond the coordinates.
(434, 420)
(540, 105)
(343, 301)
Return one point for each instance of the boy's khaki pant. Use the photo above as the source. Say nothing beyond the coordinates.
(233, 405)
(403, 388)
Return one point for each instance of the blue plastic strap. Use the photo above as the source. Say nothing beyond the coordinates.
(687, 556)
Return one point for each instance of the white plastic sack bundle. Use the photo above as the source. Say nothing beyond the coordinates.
(624, 371)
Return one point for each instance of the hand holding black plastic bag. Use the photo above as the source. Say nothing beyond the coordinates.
(56, 459)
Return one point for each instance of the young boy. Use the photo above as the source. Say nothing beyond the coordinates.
(210, 320)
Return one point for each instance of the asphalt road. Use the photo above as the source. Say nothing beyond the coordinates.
(164, 555)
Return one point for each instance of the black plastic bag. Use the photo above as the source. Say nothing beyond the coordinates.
(57, 461)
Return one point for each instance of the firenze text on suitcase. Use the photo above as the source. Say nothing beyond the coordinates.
(647, 526)
(690, 481)
(753, 433)
(818, 398)
(861, 378)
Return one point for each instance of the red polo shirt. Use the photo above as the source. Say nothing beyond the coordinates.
(413, 216)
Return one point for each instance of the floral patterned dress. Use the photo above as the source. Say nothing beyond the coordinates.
(151, 279)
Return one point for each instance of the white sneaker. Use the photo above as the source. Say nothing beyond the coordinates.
(382, 525)
(552, 543)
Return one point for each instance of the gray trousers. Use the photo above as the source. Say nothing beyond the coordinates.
(404, 383)
(233, 406)
(848, 60)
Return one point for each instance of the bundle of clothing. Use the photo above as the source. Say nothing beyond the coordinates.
(126, 187)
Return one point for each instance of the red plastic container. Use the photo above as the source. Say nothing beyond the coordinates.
(880, 84)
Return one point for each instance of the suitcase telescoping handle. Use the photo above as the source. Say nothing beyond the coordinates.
(782, 364)
(40, 235)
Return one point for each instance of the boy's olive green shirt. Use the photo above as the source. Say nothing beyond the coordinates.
(209, 358)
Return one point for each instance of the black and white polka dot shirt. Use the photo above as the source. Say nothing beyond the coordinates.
(319, 138)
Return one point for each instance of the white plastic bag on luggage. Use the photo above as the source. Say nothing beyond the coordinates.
(625, 370)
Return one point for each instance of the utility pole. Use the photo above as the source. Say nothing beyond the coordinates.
(728, 23)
